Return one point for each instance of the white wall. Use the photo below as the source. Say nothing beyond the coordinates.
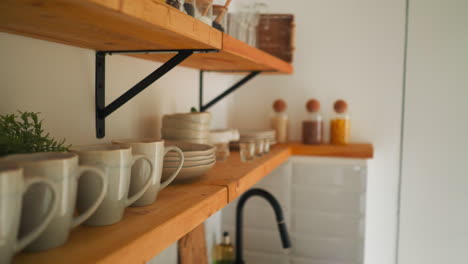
(351, 50)
(58, 81)
(434, 198)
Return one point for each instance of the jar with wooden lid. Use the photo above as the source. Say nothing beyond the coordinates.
(280, 122)
(312, 127)
(340, 124)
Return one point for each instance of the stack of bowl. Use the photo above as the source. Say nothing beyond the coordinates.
(188, 127)
(198, 159)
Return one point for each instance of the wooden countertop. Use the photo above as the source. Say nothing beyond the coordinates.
(146, 231)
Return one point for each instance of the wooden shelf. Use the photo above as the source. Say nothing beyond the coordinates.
(133, 25)
(354, 150)
(146, 231)
(143, 232)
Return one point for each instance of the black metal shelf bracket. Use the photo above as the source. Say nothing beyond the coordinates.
(234, 87)
(102, 111)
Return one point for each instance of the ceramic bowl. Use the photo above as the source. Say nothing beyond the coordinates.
(183, 124)
(184, 133)
(190, 149)
(187, 173)
(198, 117)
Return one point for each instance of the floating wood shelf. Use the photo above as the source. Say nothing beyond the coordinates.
(146, 231)
(133, 25)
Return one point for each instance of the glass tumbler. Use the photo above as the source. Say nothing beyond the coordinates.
(259, 147)
(222, 151)
(247, 151)
(266, 147)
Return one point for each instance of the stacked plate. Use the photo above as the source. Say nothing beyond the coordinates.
(199, 158)
(188, 127)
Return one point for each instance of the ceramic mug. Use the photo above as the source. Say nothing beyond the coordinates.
(63, 170)
(12, 188)
(155, 150)
(117, 162)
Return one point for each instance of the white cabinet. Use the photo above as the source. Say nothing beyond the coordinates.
(324, 203)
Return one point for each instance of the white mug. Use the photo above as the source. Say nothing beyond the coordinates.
(12, 188)
(63, 170)
(155, 150)
(117, 162)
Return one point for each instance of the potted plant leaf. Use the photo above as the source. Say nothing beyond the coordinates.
(23, 133)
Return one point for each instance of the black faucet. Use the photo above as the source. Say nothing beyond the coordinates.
(279, 218)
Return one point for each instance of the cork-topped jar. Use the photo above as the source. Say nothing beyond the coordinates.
(312, 127)
(280, 121)
(339, 124)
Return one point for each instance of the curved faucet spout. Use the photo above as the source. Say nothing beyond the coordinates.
(239, 216)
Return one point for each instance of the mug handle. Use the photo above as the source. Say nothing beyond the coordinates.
(86, 214)
(140, 193)
(176, 172)
(23, 242)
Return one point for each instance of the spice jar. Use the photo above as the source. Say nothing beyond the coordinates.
(312, 127)
(204, 11)
(189, 7)
(280, 121)
(219, 18)
(174, 3)
(339, 124)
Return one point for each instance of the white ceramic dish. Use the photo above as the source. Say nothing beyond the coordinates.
(173, 164)
(255, 134)
(190, 149)
(223, 136)
(194, 158)
(187, 173)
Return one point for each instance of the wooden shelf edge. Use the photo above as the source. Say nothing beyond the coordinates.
(143, 233)
(352, 150)
(107, 24)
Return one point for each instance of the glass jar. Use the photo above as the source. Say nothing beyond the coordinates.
(280, 122)
(219, 18)
(339, 124)
(204, 11)
(222, 151)
(312, 127)
(247, 150)
(189, 7)
(175, 3)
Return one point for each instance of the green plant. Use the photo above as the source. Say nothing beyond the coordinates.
(23, 133)
(193, 110)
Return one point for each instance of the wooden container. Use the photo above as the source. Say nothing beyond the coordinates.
(275, 35)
